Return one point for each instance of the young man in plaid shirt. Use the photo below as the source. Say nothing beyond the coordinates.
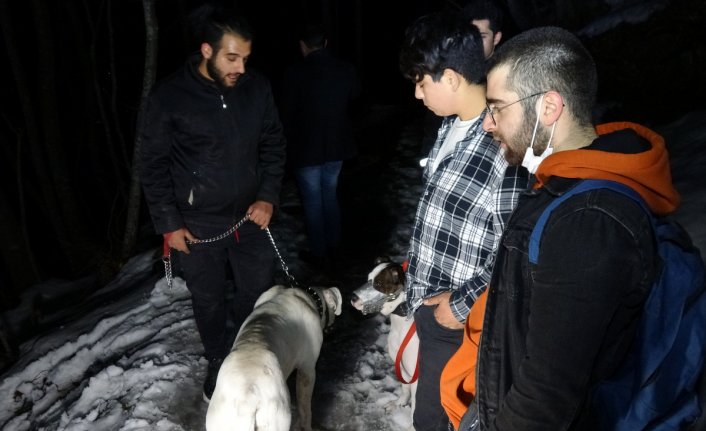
(469, 195)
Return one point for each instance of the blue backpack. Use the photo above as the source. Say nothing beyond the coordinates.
(656, 388)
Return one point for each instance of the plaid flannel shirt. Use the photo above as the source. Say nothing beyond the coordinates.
(462, 212)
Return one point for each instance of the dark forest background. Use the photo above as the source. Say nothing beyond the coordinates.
(75, 73)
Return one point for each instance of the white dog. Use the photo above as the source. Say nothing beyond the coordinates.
(384, 292)
(283, 333)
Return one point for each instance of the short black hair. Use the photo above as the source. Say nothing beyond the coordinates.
(441, 41)
(550, 58)
(209, 22)
(484, 9)
(313, 36)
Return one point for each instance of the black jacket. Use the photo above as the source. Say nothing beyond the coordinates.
(551, 331)
(317, 96)
(208, 154)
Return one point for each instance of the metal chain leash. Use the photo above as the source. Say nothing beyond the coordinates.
(224, 235)
(167, 260)
(285, 268)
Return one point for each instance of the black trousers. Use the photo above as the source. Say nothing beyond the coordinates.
(436, 346)
(249, 257)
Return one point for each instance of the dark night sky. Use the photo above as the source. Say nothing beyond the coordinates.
(655, 68)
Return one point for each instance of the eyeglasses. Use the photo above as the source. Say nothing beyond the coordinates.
(496, 109)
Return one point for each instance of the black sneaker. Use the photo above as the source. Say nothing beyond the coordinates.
(211, 376)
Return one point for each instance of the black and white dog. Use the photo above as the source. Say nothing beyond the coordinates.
(283, 333)
(384, 292)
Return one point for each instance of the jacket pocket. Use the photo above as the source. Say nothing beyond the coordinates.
(516, 270)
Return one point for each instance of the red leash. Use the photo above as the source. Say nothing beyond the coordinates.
(410, 334)
(398, 360)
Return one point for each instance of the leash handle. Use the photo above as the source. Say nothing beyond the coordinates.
(400, 352)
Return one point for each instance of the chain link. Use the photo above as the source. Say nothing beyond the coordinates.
(168, 259)
(224, 235)
(285, 268)
(168, 268)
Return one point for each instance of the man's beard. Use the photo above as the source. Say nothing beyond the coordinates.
(518, 143)
(217, 75)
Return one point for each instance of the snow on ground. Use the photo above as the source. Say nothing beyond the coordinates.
(135, 362)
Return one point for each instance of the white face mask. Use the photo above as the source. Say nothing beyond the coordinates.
(530, 161)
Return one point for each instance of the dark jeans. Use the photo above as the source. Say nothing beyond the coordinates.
(436, 346)
(322, 215)
(251, 262)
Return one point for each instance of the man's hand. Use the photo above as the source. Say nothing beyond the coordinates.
(177, 239)
(442, 311)
(260, 212)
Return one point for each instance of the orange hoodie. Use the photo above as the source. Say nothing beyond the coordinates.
(457, 384)
(647, 172)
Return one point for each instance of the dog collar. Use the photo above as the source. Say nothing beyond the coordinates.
(402, 309)
(316, 296)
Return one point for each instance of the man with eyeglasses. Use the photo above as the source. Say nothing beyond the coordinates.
(554, 328)
(469, 194)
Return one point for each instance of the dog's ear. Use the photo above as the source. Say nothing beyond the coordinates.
(333, 299)
(401, 276)
(268, 294)
(381, 259)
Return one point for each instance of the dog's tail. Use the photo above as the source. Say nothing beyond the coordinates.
(243, 405)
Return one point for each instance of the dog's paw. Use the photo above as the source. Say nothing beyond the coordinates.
(396, 405)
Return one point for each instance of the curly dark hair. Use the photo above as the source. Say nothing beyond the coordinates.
(209, 22)
(442, 41)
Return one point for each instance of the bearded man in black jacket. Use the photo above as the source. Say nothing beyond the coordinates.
(213, 152)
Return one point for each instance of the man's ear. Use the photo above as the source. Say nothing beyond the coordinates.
(206, 50)
(452, 78)
(552, 107)
(496, 38)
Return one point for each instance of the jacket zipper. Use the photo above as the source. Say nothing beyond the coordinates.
(223, 102)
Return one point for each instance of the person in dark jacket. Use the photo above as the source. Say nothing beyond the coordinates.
(552, 330)
(213, 152)
(318, 92)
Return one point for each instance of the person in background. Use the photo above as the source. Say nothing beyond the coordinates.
(488, 17)
(317, 96)
(553, 329)
(213, 152)
(468, 197)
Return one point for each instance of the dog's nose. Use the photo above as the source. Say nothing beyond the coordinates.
(354, 298)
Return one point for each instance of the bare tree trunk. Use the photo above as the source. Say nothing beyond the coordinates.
(41, 170)
(148, 78)
(77, 247)
(114, 87)
(16, 250)
(358, 26)
(100, 103)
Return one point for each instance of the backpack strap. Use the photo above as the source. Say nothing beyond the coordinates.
(583, 186)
